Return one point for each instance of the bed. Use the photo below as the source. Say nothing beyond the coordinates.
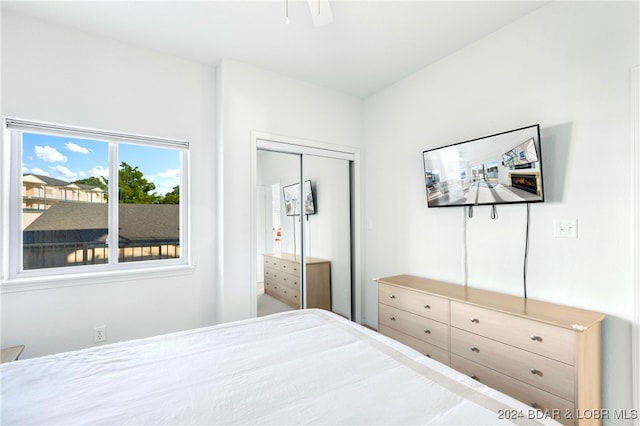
(297, 367)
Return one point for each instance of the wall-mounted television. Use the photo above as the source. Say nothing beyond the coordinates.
(504, 168)
(291, 195)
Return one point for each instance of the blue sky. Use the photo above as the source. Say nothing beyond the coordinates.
(72, 159)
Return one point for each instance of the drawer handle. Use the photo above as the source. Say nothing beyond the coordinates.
(393, 296)
(476, 320)
(474, 349)
(474, 377)
(427, 355)
(536, 338)
(285, 292)
(427, 331)
(535, 405)
(535, 371)
(427, 306)
(392, 318)
(284, 266)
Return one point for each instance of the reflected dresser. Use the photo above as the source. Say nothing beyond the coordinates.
(282, 280)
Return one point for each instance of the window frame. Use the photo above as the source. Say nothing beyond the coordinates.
(14, 277)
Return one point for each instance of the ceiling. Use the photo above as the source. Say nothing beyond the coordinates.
(368, 46)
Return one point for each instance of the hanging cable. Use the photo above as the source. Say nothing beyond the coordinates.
(494, 212)
(465, 261)
(526, 253)
(286, 19)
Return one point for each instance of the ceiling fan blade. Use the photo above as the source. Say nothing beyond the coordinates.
(320, 12)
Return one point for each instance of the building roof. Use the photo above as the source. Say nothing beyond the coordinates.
(149, 222)
(67, 216)
(137, 222)
(47, 180)
(44, 180)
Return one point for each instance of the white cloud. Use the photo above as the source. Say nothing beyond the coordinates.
(62, 170)
(99, 171)
(49, 154)
(76, 148)
(35, 171)
(171, 173)
(165, 181)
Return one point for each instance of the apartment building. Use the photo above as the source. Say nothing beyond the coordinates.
(41, 192)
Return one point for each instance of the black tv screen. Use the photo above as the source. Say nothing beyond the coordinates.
(292, 203)
(504, 168)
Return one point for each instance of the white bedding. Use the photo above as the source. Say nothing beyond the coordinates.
(299, 367)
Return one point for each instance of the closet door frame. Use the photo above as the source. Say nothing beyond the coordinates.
(288, 144)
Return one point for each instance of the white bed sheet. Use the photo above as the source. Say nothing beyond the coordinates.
(299, 367)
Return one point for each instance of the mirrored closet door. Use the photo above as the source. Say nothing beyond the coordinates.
(303, 232)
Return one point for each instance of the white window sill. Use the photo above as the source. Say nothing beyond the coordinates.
(89, 278)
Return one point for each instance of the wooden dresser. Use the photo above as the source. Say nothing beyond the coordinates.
(543, 354)
(282, 280)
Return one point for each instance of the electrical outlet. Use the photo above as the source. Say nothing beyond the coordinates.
(567, 228)
(100, 334)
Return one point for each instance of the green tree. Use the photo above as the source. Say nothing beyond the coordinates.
(172, 197)
(101, 182)
(134, 187)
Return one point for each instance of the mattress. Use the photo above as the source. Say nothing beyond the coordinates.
(298, 367)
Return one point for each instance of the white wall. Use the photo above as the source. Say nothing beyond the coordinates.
(565, 66)
(249, 100)
(64, 76)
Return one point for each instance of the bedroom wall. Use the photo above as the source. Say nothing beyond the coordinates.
(64, 76)
(252, 99)
(566, 66)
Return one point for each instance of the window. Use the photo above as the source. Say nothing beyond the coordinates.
(90, 200)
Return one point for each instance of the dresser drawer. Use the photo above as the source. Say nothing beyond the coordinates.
(276, 276)
(272, 262)
(544, 339)
(422, 304)
(290, 280)
(530, 395)
(422, 328)
(282, 265)
(283, 292)
(290, 267)
(544, 373)
(429, 350)
(271, 275)
(291, 295)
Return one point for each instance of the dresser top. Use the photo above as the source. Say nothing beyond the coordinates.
(551, 313)
(291, 258)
